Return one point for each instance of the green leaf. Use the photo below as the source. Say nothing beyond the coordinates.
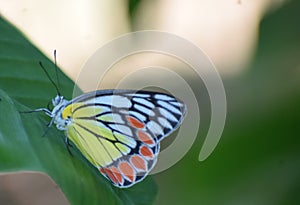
(24, 86)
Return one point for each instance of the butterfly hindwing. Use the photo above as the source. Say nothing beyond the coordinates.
(119, 131)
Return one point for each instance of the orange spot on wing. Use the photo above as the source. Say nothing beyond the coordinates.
(135, 122)
(109, 174)
(127, 170)
(102, 171)
(117, 174)
(146, 151)
(145, 137)
(138, 162)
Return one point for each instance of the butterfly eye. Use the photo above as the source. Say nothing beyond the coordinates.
(67, 117)
(67, 120)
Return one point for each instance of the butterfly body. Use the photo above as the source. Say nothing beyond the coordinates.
(118, 131)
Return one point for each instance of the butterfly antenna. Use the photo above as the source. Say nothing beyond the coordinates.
(53, 83)
(56, 69)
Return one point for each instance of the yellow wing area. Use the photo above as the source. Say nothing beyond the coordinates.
(97, 142)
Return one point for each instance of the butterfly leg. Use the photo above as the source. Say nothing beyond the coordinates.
(46, 131)
(68, 145)
(48, 112)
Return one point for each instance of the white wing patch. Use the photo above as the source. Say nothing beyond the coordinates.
(143, 102)
(122, 128)
(144, 110)
(169, 107)
(165, 123)
(155, 128)
(138, 116)
(111, 100)
(163, 97)
(167, 114)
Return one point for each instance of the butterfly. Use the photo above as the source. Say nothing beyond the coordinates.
(118, 131)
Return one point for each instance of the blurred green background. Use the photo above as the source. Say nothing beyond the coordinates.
(257, 160)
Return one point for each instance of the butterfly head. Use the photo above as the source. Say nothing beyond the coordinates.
(59, 103)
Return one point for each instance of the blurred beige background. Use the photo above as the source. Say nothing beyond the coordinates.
(225, 30)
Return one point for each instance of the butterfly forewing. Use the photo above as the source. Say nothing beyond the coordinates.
(119, 131)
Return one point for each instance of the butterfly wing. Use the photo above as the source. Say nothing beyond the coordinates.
(119, 131)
